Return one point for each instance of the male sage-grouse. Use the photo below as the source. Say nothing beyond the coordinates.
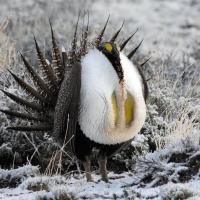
(92, 96)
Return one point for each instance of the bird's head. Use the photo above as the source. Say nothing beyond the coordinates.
(109, 49)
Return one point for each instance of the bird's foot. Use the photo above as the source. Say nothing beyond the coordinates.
(103, 170)
(105, 179)
(87, 167)
(89, 178)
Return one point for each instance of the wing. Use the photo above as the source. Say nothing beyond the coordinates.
(67, 107)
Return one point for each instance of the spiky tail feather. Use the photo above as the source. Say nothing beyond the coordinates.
(45, 91)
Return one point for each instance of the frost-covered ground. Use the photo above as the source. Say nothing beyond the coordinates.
(171, 32)
(116, 189)
(170, 173)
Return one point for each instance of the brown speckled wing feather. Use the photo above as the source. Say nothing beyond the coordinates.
(67, 107)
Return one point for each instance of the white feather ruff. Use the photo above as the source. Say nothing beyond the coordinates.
(98, 82)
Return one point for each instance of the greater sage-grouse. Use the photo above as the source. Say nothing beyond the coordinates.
(92, 96)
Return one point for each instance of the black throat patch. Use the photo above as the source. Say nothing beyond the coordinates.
(111, 52)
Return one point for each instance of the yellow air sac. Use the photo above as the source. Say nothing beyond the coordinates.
(129, 109)
(115, 108)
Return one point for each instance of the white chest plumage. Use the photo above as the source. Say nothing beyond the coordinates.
(98, 82)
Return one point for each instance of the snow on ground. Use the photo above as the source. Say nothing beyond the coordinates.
(120, 187)
(170, 173)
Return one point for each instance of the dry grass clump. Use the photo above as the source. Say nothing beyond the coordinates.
(7, 47)
(174, 99)
(182, 127)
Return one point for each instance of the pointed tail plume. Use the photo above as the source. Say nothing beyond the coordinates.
(56, 58)
(127, 40)
(134, 50)
(47, 70)
(74, 43)
(114, 37)
(100, 36)
(30, 90)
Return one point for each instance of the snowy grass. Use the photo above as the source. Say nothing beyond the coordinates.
(7, 47)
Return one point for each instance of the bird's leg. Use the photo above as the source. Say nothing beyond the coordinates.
(87, 167)
(103, 168)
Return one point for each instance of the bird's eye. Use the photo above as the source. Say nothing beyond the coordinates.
(108, 47)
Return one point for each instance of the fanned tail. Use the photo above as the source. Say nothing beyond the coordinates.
(39, 109)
